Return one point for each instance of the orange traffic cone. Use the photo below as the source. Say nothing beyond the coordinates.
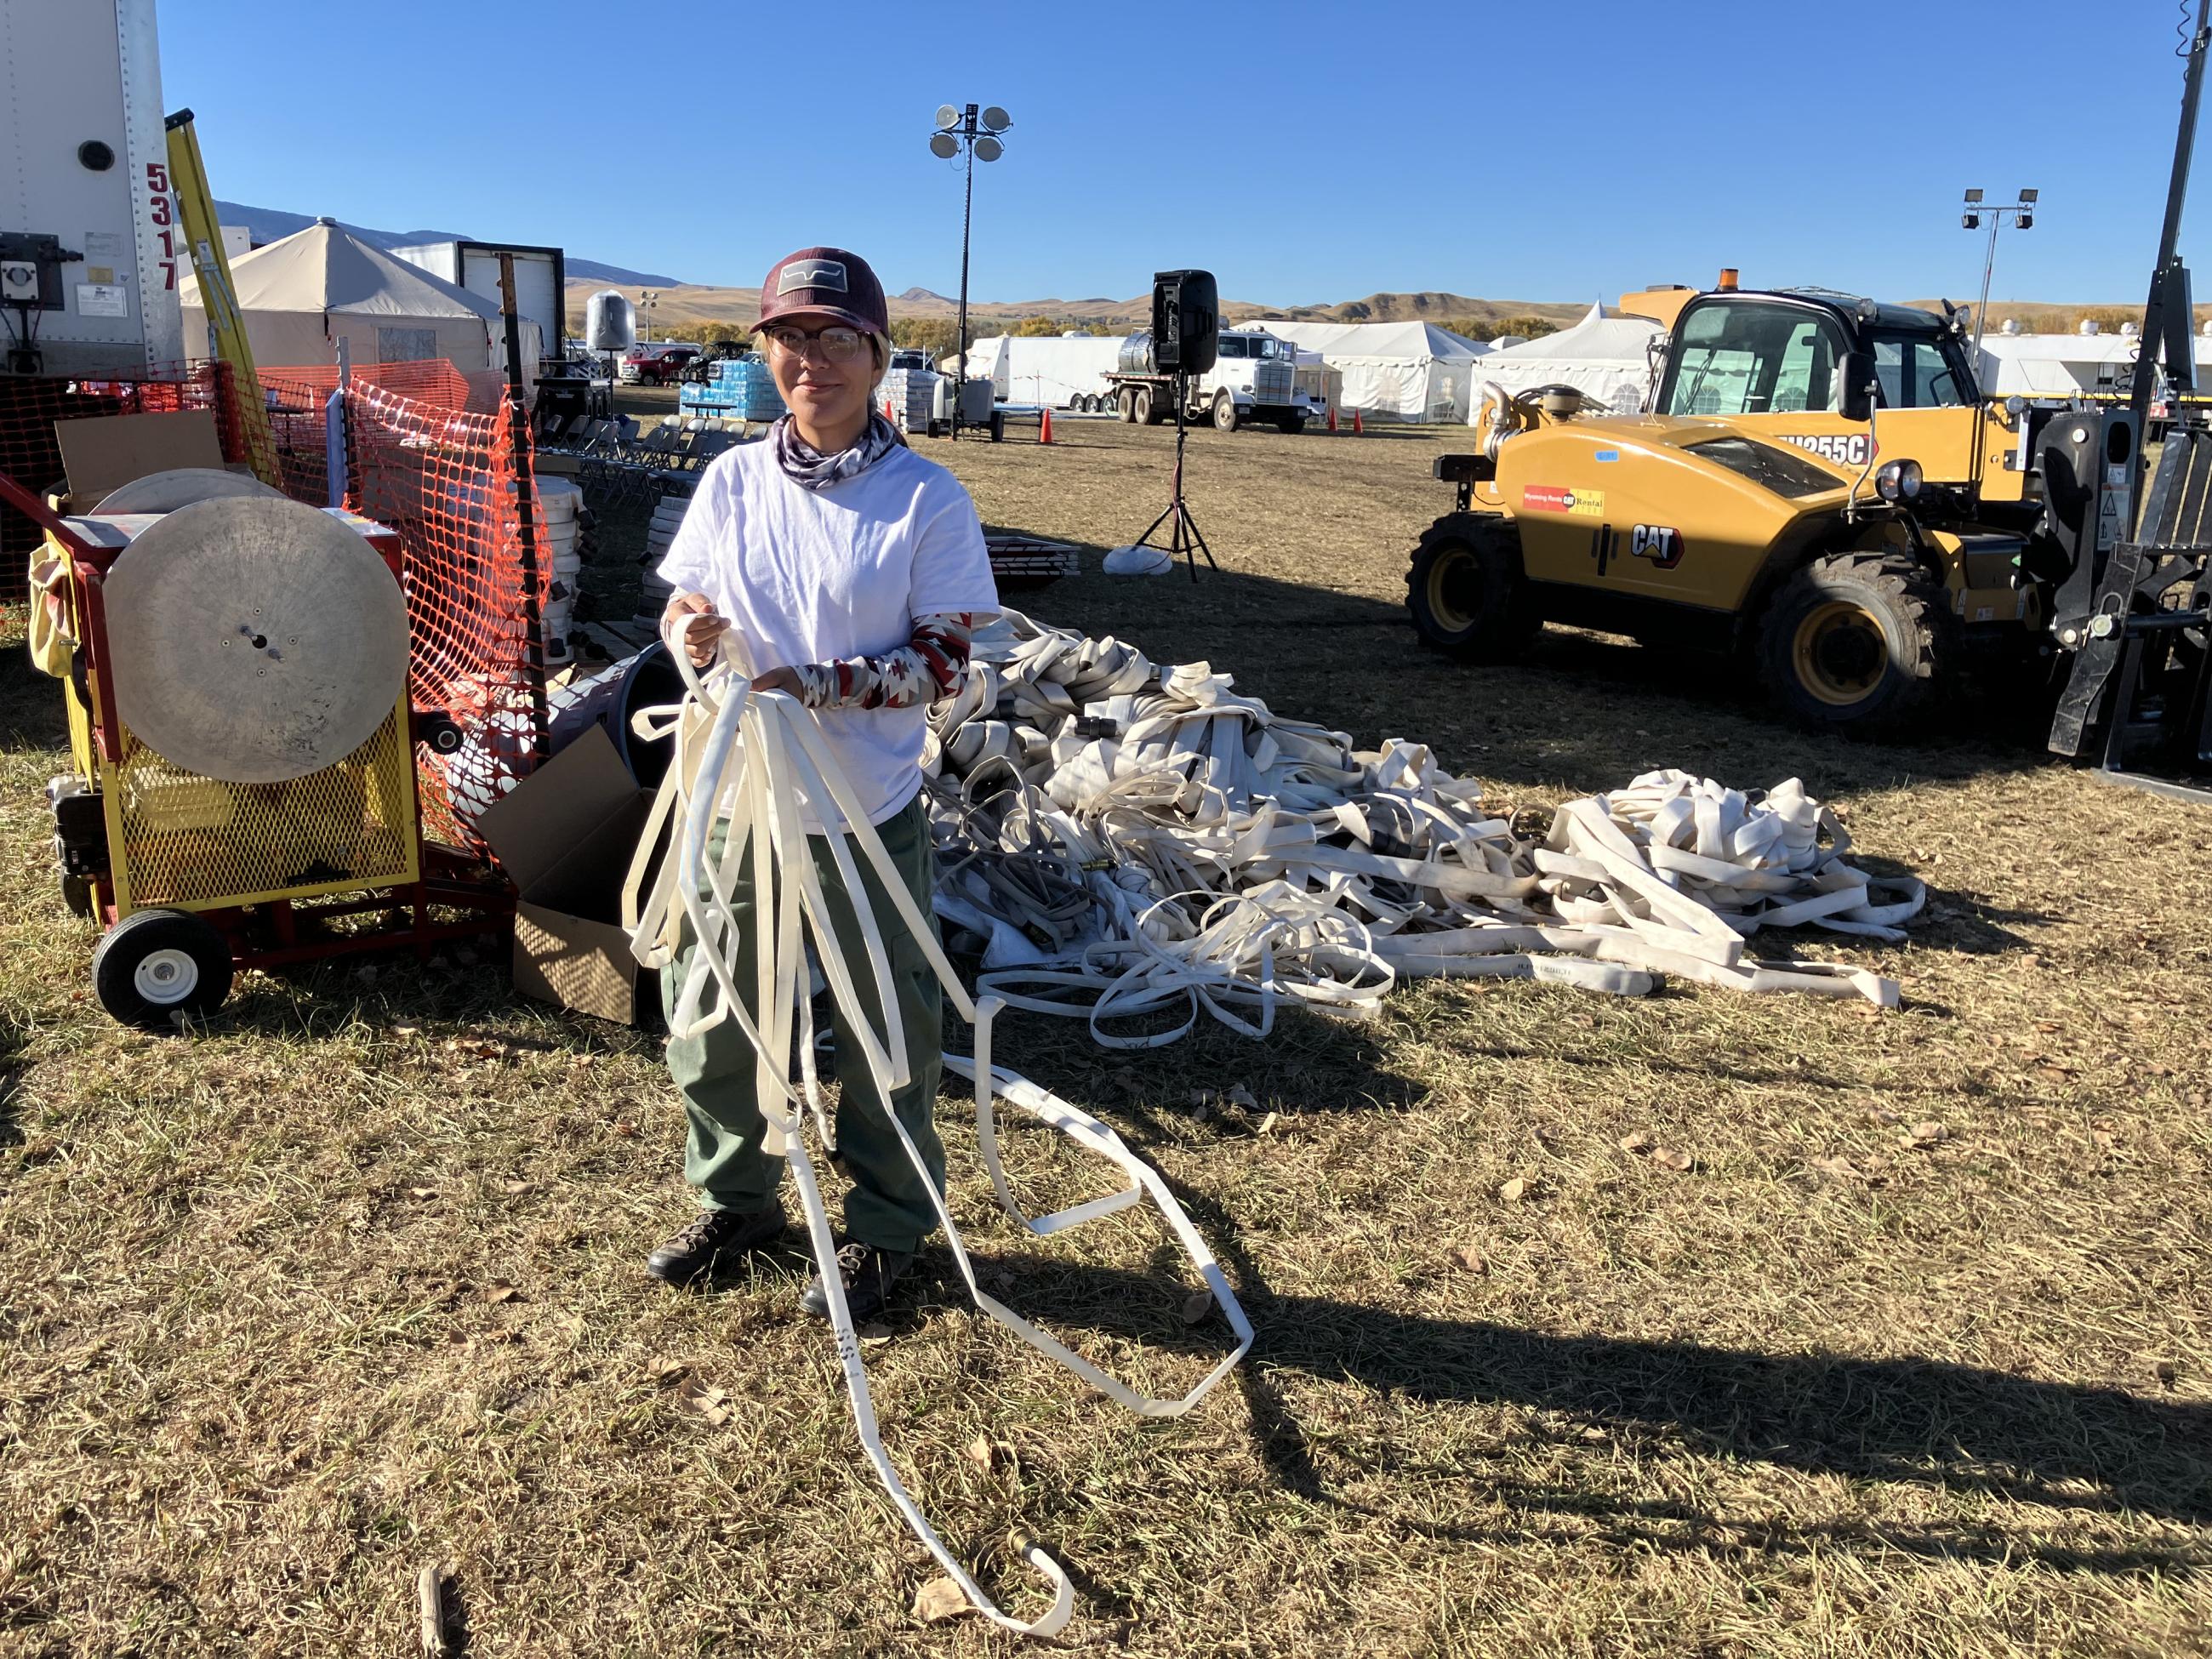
(887, 409)
(1357, 428)
(1332, 417)
(1044, 428)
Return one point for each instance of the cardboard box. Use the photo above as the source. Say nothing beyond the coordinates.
(565, 834)
(103, 452)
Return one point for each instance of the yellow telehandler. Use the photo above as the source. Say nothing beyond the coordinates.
(1819, 486)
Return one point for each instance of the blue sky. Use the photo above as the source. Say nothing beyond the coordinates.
(1317, 154)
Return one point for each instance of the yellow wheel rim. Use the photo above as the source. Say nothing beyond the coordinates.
(1453, 589)
(1839, 653)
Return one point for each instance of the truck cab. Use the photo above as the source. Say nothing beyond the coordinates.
(1253, 377)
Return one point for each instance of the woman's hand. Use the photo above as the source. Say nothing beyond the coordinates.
(697, 638)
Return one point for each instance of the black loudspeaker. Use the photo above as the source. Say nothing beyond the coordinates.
(1186, 318)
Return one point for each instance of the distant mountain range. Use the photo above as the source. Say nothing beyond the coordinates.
(272, 224)
(684, 303)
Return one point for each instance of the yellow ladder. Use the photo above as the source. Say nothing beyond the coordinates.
(218, 294)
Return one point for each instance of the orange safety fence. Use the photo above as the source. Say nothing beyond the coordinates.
(450, 483)
(31, 406)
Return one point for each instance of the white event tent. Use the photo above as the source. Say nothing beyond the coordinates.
(2058, 365)
(1602, 357)
(300, 296)
(1403, 371)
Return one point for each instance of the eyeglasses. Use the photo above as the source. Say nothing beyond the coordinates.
(839, 344)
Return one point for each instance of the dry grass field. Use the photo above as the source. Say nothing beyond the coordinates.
(350, 1281)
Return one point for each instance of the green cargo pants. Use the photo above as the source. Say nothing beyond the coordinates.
(888, 1207)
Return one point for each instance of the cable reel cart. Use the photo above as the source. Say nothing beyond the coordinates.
(236, 673)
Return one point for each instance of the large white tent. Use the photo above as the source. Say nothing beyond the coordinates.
(300, 296)
(2058, 365)
(1403, 371)
(1602, 357)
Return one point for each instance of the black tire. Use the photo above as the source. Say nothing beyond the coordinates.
(1225, 412)
(1143, 405)
(1856, 641)
(155, 964)
(1466, 591)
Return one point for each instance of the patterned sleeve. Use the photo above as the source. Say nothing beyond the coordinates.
(928, 668)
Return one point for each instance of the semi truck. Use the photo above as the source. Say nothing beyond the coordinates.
(1254, 379)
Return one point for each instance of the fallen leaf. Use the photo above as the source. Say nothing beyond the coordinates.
(1667, 1158)
(1196, 1306)
(1513, 1191)
(2031, 960)
(516, 1188)
(1638, 1142)
(665, 1371)
(503, 1334)
(1474, 1260)
(500, 1291)
(703, 1401)
(938, 1600)
(1842, 1167)
(874, 1334)
(979, 1452)
(1594, 1433)
(2104, 1138)
(1928, 1132)
(626, 1129)
(1268, 1124)
(421, 1191)
(1238, 1094)
(585, 1059)
(406, 1030)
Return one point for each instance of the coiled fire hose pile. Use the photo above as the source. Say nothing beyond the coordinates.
(1128, 841)
(750, 756)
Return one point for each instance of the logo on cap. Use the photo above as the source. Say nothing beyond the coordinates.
(811, 273)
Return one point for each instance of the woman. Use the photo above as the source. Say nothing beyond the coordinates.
(857, 569)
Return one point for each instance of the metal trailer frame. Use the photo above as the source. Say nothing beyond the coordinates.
(62, 99)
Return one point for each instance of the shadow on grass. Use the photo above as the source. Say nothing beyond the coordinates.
(11, 1087)
(1959, 1429)
(32, 715)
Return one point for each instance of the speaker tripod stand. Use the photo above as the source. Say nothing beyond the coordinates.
(1185, 540)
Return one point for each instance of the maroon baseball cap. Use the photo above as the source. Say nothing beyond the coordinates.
(828, 280)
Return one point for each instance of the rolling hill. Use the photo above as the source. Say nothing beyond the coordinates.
(684, 304)
(272, 224)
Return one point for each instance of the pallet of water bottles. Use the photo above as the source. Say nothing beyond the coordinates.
(910, 398)
(740, 389)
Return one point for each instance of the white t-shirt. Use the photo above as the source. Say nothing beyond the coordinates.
(820, 575)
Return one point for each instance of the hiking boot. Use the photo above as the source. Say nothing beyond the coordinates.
(700, 1245)
(868, 1274)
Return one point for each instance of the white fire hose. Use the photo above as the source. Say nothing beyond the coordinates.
(749, 755)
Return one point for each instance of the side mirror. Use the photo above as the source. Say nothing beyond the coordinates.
(1854, 382)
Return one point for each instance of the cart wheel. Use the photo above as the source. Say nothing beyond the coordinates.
(157, 963)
